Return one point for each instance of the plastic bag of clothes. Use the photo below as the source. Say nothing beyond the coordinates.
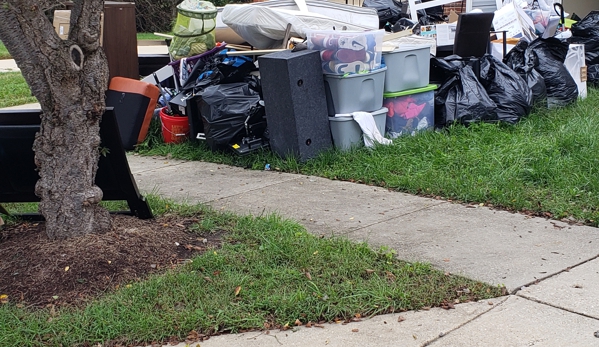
(517, 60)
(219, 69)
(461, 97)
(227, 109)
(548, 56)
(586, 32)
(506, 88)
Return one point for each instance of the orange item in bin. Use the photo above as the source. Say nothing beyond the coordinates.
(134, 102)
(175, 129)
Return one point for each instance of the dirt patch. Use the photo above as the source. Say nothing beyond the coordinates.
(36, 271)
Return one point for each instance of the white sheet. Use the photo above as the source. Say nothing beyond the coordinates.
(264, 27)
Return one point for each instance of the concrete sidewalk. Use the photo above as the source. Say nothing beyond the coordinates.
(8, 65)
(549, 267)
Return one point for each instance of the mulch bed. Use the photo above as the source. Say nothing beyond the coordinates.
(36, 271)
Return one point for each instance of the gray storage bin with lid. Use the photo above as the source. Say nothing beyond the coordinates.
(408, 67)
(356, 92)
(347, 133)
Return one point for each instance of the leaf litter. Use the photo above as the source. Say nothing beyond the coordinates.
(36, 271)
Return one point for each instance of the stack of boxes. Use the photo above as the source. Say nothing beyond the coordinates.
(354, 80)
(408, 96)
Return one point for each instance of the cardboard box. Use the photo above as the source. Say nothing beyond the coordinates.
(446, 34)
(513, 20)
(62, 21)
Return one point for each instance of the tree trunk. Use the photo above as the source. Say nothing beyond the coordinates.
(69, 78)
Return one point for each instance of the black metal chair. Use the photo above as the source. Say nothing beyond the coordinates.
(472, 36)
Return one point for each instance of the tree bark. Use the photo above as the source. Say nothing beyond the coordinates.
(69, 79)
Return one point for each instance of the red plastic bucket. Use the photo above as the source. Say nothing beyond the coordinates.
(174, 129)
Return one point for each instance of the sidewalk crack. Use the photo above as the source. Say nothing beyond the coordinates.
(443, 334)
(557, 307)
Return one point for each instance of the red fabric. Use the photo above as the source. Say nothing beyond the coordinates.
(407, 108)
(349, 55)
(327, 55)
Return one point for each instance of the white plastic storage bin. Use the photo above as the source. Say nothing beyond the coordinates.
(344, 52)
(357, 92)
(347, 133)
(410, 111)
(408, 67)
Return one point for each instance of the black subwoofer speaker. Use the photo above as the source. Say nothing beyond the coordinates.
(295, 103)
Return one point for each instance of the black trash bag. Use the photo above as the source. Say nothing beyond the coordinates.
(593, 75)
(588, 26)
(517, 61)
(506, 88)
(225, 110)
(586, 32)
(389, 11)
(461, 98)
(548, 56)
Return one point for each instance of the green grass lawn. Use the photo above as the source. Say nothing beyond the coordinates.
(546, 165)
(4, 52)
(282, 272)
(14, 90)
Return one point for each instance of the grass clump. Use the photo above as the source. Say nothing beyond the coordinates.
(268, 273)
(545, 165)
(14, 90)
(4, 52)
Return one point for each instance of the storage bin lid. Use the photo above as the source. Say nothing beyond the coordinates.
(354, 75)
(405, 48)
(411, 91)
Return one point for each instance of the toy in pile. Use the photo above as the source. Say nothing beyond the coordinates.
(194, 29)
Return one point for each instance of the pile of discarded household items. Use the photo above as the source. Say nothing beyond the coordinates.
(300, 77)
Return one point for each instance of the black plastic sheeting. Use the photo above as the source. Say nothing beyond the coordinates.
(461, 97)
(593, 74)
(389, 11)
(226, 107)
(517, 60)
(586, 32)
(506, 88)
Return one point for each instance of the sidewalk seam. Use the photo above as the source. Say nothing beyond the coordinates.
(443, 334)
(160, 168)
(557, 307)
(398, 216)
(539, 280)
(252, 190)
